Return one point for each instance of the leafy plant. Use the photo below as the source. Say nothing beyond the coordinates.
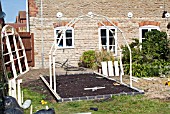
(92, 59)
(9, 74)
(153, 59)
(155, 46)
(88, 59)
(104, 56)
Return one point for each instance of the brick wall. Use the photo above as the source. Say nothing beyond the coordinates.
(86, 30)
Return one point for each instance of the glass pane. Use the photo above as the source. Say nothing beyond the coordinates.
(68, 33)
(153, 29)
(144, 32)
(61, 42)
(103, 41)
(68, 42)
(111, 41)
(103, 32)
(112, 49)
(59, 34)
(111, 37)
(103, 36)
(110, 32)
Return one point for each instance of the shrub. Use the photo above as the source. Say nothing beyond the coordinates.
(92, 59)
(104, 56)
(88, 59)
(153, 59)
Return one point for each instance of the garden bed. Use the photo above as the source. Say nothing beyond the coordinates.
(83, 87)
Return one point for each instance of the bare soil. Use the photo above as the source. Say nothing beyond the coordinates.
(79, 85)
(154, 88)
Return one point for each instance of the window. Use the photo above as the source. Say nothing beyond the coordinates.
(144, 29)
(67, 38)
(107, 39)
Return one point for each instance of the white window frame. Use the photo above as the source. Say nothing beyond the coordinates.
(149, 27)
(108, 28)
(63, 28)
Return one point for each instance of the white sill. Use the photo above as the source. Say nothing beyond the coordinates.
(65, 47)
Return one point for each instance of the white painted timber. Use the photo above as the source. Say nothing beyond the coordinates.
(110, 68)
(116, 68)
(10, 87)
(9, 34)
(31, 109)
(104, 68)
(19, 81)
(13, 88)
(94, 88)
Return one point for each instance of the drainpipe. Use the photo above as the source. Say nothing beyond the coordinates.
(42, 37)
(27, 17)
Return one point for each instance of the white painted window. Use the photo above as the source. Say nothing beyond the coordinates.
(67, 38)
(144, 29)
(108, 38)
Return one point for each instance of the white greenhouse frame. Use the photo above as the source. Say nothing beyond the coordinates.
(52, 56)
(14, 83)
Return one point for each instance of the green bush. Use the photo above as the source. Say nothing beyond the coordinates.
(92, 59)
(153, 59)
(88, 59)
(148, 70)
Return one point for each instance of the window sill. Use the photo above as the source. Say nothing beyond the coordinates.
(65, 47)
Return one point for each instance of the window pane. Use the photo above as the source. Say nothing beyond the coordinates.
(61, 42)
(112, 49)
(153, 29)
(68, 33)
(103, 32)
(103, 36)
(59, 34)
(144, 32)
(68, 37)
(111, 37)
(111, 41)
(103, 41)
(110, 33)
(68, 42)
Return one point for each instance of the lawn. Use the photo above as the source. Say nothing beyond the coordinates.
(138, 104)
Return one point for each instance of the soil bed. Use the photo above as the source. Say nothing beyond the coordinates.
(73, 85)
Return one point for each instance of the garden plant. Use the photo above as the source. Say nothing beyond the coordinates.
(151, 57)
(92, 59)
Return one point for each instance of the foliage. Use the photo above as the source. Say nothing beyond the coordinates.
(9, 74)
(104, 56)
(92, 59)
(88, 59)
(156, 46)
(153, 59)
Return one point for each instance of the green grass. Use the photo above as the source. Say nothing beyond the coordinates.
(117, 105)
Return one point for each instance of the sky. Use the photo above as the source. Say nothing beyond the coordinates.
(11, 8)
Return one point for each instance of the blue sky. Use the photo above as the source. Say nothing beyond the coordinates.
(11, 8)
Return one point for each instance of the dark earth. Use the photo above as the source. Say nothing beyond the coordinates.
(69, 86)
